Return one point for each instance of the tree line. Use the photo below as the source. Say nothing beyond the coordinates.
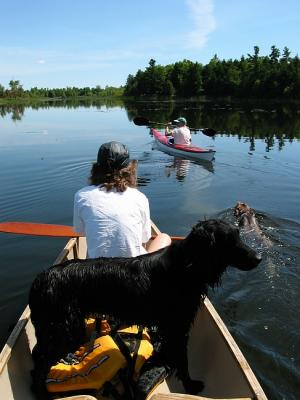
(276, 75)
(271, 76)
(15, 91)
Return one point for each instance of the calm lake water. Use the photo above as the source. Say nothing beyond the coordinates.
(46, 153)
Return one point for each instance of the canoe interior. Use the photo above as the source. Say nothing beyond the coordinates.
(213, 356)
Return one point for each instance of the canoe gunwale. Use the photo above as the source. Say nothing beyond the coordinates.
(13, 337)
(234, 349)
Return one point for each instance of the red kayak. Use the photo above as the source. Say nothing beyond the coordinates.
(183, 150)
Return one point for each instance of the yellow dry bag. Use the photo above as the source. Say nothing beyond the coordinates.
(96, 363)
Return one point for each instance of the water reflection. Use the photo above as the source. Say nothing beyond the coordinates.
(17, 112)
(180, 167)
(274, 122)
(143, 181)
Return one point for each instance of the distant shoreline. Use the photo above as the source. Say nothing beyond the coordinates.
(31, 100)
(206, 99)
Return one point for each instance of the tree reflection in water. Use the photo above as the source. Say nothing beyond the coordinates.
(274, 122)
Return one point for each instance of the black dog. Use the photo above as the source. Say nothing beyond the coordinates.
(162, 289)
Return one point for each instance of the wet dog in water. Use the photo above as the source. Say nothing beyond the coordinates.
(247, 220)
(246, 216)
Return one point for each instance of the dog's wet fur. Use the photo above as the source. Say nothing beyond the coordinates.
(162, 289)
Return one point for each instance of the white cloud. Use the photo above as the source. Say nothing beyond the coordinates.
(202, 13)
(41, 61)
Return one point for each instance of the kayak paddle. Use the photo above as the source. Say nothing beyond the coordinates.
(141, 121)
(37, 229)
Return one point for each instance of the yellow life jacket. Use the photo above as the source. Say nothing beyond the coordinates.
(99, 362)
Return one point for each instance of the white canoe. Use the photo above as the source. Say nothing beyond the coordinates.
(182, 150)
(214, 356)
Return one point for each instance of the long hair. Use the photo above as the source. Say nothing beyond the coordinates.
(113, 178)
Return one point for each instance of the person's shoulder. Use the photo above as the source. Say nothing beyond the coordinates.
(136, 193)
(85, 190)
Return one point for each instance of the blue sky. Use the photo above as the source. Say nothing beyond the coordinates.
(59, 43)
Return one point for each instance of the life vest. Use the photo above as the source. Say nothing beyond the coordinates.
(101, 361)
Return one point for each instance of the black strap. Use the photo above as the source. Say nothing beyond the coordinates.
(123, 348)
(126, 376)
(128, 384)
(131, 359)
(139, 337)
(98, 325)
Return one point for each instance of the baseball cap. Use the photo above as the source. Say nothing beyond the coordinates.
(113, 155)
(180, 120)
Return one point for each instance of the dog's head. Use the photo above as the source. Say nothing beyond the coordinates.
(244, 214)
(223, 244)
(242, 208)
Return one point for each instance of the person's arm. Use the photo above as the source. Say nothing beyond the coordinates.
(168, 130)
(190, 136)
(146, 234)
(161, 240)
(78, 223)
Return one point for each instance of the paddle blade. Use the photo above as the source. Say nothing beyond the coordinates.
(36, 229)
(141, 121)
(208, 132)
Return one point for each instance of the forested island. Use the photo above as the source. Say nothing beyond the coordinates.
(276, 75)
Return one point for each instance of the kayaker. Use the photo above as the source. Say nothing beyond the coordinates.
(180, 133)
(111, 212)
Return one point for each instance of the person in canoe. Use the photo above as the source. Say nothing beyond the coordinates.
(111, 212)
(180, 134)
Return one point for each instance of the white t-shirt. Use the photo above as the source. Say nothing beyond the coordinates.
(115, 223)
(182, 135)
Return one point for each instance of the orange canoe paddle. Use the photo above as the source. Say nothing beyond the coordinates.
(37, 229)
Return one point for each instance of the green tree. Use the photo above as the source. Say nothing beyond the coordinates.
(2, 90)
(255, 56)
(16, 88)
(286, 55)
(152, 63)
(275, 54)
(14, 85)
